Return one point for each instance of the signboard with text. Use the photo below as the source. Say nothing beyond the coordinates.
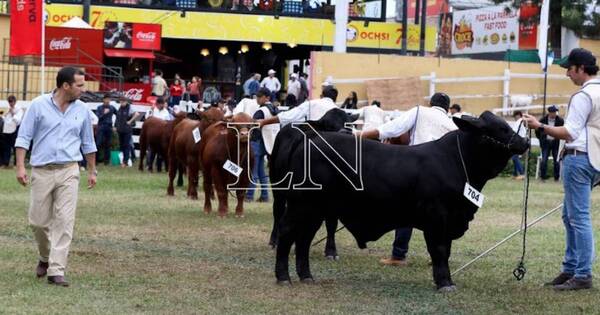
(132, 35)
(492, 29)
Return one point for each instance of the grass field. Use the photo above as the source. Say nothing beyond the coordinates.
(137, 251)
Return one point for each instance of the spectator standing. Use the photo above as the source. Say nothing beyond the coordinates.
(12, 119)
(519, 128)
(159, 85)
(303, 79)
(373, 116)
(126, 117)
(294, 86)
(549, 144)
(176, 91)
(351, 102)
(105, 114)
(59, 126)
(271, 83)
(194, 89)
(254, 85)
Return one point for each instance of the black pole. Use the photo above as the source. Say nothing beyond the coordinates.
(545, 81)
(417, 11)
(404, 25)
(423, 24)
(86, 10)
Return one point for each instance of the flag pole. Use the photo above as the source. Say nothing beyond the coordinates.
(43, 61)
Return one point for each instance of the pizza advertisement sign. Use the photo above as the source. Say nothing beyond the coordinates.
(491, 29)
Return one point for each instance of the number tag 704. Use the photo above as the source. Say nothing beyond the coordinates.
(473, 195)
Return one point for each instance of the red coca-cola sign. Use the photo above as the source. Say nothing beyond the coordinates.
(74, 46)
(137, 92)
(146, 36)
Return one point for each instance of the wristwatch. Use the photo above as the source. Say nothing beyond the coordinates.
(541, 128)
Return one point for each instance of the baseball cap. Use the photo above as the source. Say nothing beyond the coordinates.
(579, 57)
(553, 109)
(271, 71)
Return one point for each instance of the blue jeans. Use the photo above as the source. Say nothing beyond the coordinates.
(401, 240)
(578, 178)
(550, 147)
(258, 173)
(124, 143)
(518, 167)
(103, 141)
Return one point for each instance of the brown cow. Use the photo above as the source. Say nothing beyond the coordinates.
(155, 136)
(183, 150)
(218, 145)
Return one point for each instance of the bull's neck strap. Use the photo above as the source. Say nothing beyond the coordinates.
(461, 157)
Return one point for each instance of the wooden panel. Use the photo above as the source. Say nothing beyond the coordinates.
(401, 94)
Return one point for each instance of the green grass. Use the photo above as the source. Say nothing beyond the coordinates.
(137, 251)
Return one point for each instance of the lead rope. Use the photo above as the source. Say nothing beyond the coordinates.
(520, 271)
(461, 158)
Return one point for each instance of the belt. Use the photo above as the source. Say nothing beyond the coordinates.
(574, 152)
(56, 166)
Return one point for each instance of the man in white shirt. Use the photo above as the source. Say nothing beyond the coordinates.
(373, 116)
(309, 110)
(246, 105)
(271, 83)
(425, 124)
(159, 111)
(294, 86)
(12, 120)
(580, 169)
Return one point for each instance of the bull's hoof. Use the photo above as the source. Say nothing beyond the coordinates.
(332, 257)
(307, 280)
(239, 216)
(447, 289)
(284, 283)
(192, 197)
(273, 245)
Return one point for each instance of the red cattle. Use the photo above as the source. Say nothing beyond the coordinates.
(218, 145)
(183, 149)
(155, 136)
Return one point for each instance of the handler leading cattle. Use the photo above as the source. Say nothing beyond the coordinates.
(581, 169)
(424, 124)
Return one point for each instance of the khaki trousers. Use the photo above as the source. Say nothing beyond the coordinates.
(52, 212)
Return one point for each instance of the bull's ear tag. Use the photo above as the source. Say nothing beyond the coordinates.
(232, 168)
(473, 195)
(196, 134)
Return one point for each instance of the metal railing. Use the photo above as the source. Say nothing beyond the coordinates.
(21, 76)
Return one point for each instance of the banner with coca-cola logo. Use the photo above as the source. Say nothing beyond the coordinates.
(25, 27)
(146, 36)
(73, 46)
(137, 92)
(132, 35)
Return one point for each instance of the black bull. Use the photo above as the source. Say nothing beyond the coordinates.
(419, 186)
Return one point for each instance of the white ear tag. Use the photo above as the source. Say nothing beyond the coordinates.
(196, 134)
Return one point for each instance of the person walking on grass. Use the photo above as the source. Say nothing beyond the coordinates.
(58, 124)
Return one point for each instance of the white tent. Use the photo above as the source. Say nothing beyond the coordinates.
(76, 22)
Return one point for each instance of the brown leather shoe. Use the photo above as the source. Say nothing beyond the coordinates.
(393, 262)
(58, 280)
(575, 284)
(560, 279)
(41, 269)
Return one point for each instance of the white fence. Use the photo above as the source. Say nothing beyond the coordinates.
(505, 79)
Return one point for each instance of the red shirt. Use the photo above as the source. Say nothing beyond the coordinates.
(176, 90)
